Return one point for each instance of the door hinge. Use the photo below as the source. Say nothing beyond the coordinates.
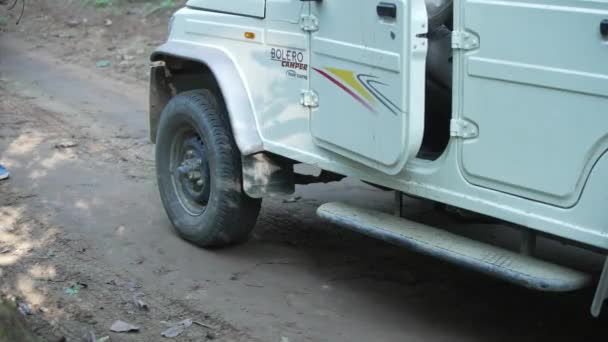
(464, 40)
(309, 23)
(462, 128)
(309, 98)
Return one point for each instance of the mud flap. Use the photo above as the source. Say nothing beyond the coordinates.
(266, 175)
(160, 94)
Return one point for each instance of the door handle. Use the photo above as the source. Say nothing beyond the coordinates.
(604, 29)
(386, 9)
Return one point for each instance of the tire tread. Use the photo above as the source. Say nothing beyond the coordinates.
(235, 213)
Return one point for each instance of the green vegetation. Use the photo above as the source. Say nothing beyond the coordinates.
(159, 6)
(102, 3)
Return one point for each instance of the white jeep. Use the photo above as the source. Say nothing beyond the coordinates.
(493, 107)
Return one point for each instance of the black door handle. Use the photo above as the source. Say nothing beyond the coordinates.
(386, 9)
(604, 28)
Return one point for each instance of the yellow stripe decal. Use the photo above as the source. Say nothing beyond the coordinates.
(348, 77)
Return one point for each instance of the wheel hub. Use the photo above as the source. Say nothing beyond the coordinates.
(193, 172)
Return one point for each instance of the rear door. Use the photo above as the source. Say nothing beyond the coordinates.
(368, 71)
(537, 88)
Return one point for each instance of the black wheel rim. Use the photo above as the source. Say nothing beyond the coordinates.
(190, 171)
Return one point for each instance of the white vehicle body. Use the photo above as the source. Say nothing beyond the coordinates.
(341, 85)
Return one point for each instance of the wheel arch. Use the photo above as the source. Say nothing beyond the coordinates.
(188, 66)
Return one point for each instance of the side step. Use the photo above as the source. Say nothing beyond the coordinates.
(495, 261)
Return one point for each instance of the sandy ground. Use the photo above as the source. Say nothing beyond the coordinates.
(88, 217)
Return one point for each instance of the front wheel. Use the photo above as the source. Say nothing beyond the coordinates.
(199, 172)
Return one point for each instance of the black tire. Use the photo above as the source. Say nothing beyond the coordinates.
(214, 211)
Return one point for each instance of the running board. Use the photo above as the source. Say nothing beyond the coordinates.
(495, 261)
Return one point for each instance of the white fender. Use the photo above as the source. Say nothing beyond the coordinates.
(236, 96)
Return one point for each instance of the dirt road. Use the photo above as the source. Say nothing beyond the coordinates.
(88, 213)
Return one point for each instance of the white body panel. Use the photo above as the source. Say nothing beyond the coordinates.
(566, 199)
(539, 94)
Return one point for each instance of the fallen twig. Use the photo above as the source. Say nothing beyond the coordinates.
(205, 325)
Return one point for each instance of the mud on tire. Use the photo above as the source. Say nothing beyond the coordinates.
(198, 166)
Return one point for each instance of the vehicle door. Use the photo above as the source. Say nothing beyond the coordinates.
(535, 83)
(367, 77)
